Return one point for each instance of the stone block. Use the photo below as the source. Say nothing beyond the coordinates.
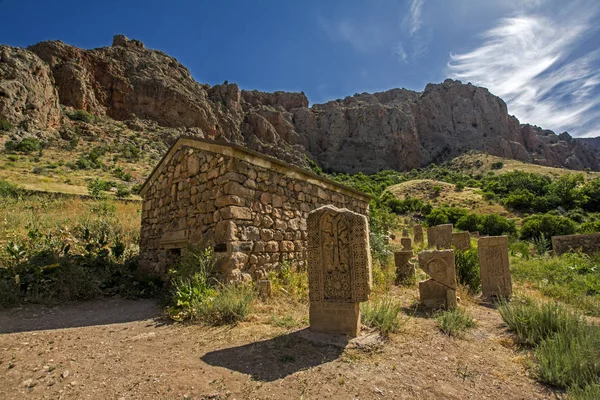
(235, 212)
(494, 266)
(406, 243)
(440, 290)
(587, 244)
(405, 269)
(461, 240)
(339, 269)
(418, 233)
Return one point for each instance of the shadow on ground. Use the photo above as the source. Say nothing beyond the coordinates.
(275, 358)
(35, 317)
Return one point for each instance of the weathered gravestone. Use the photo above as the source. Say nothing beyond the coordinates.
(405, 232)
(339, 269)
(406, 244)
(418, 233)
(405, 269)
(440, 236)
(474, 234)
(440, 290)
(493, 262)
(461, 240)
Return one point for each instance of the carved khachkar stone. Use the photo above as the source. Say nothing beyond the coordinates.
(440, 290)
(418, 233)
(406, 244)
(339, 269)
(440, 236)
(405, 269)
(493, 262)
(461, 240)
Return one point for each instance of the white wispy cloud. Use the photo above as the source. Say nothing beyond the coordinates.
(413, 19)
(537, 64)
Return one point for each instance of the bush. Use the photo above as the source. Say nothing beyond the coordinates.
(382, 314)
(26, 146)
(231, 304)
(521, 200)
(533, 323)
(497, 165)
(454, 322)
(123, 192)
(81, 115)
(570, 359)
(9, 190)
(289, 282)
(496, 225)
(96, 187)
(547, 224)
(467, 269)
(5, 125)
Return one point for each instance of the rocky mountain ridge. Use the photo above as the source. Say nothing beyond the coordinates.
(396, 129)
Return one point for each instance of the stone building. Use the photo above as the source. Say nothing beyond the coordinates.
(249, 207)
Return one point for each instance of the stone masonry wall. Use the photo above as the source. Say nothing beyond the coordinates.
(253, 211)
(589, 244)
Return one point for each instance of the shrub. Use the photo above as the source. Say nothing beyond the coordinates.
(123, 191)
(96, 187)
(459, 187)
(533, 323)
(437, 189)
(467, 269)
(547, 224)
(9, 190)
(570, 359)
(469, 223)
(454, 322)
(26, 146)
(496, 225)
(382, 314)
(521, 200)
(231, 304)
(436, 217)
(5, 125)
(81, 115)
(497, 165)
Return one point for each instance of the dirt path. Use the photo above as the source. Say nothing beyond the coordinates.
(133, 355)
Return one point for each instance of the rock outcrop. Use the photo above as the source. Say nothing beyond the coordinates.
(397, 129)
(28, 96)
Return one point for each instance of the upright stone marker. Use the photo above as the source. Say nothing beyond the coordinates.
(493, 261)
(405, 270)
(461, 240)
(418, 233)
(405, 232)
(406, 243)
(339, 269)
(440, 236)
(440, 290)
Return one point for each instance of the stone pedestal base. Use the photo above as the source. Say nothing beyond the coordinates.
(435, 295)
(335, 318)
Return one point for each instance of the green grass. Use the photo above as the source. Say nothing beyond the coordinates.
(231, 304)
(454, 322)
(286, 321)
(566, 348)
(573, 278)
(383, 314)
(532, 322)
(467, 269)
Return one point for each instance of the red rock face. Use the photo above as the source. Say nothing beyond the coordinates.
(28, 96)
(397, 129)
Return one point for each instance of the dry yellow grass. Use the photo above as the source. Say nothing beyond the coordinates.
(480, 164)
(469, 198)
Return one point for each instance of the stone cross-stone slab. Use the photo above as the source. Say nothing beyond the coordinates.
(406, 243)
(405, 269)
(339, 269)
(440, 236)
(461, 240)
(440, 290)
(418, 233)
(493, 262)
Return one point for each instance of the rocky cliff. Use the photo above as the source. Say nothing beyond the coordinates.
(398, 129)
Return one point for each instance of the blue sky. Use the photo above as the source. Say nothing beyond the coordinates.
(541, 56)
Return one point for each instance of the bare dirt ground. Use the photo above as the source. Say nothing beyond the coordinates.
(117, 349)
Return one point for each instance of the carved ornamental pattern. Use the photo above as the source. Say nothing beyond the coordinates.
(339, 261)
